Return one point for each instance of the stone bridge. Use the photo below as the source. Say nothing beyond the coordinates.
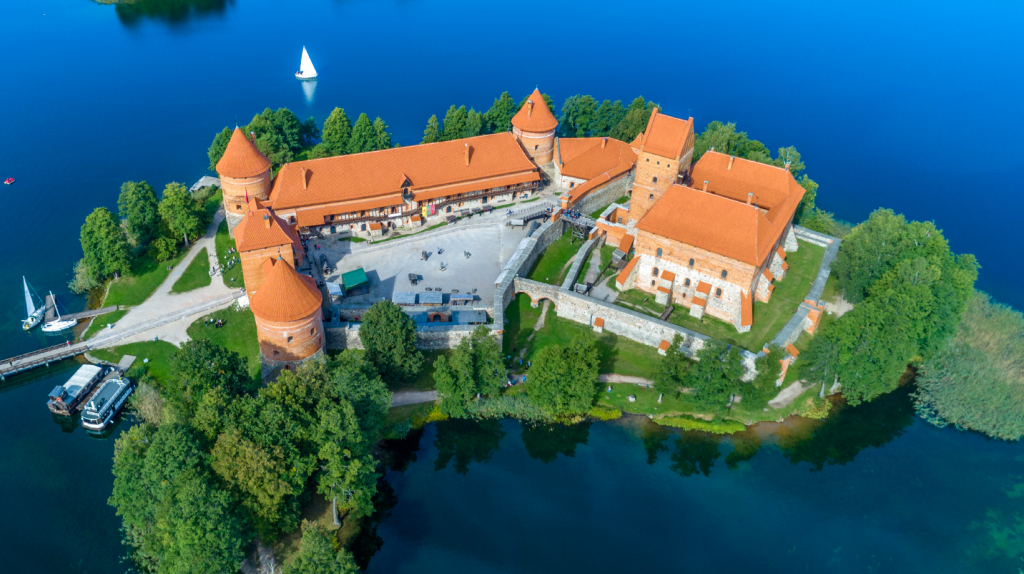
(536, 290)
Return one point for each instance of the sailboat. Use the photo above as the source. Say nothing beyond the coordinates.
(306, 69)
(34, 314)
(60, 324)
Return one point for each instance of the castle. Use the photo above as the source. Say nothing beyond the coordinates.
(711, 236)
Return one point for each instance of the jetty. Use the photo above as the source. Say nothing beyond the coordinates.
(50, 315)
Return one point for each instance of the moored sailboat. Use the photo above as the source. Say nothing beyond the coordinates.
(306, 69)
(34, 314)
(59, 325)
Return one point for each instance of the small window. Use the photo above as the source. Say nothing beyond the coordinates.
(276, 353)
(691, 263)
(536, 147)
(718, 292)
(652, 282)
(655, 272)
(655, 179)
(686, 283)
(620, 220)
(291, 219)
(659, 252)
(290, 338)
(659, 163)
(724, 273)
(648, 160)
(572, 184)
(651, 196)
(312, 331)
(238, 206)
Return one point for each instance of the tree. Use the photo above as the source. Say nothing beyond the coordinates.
(290, 128)
(433, 132)
(498, 119)
(199, 366)
(474, 124)
(607, 116)
(271, 138)
(257, 472)
(309, 133)
(137, 206)
(219, 145)
(84, 277)
(673, 369)
(181, 212)
(807, 204)
(475, 367)
(818, 220)
(635, 121)
(454, 123)
(364, 137)
(789, 155)
(381, 137)
(763, 388)
(163, 249)
(104, 244)
(578, 113)
(336, 134)
(715, 377)
(319, 553)
(562, 379)
(389, 338)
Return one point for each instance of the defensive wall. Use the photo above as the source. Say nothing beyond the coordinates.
(345, 335)
(604, 195)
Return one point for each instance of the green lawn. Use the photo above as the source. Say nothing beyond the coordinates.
(548, 267)
(238, 334)
(101, 321)
(521, 319)
(646, 400)
(224, 242)
(158, 352)
(769, 317)
(352, 238)
(620, 201)
(146, 276)
(606, 258)
(211, 204)
(196, 275)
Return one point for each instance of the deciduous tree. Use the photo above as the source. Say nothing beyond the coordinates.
(715, 377)
(137, 206)
(319, 554)
(199, 366)
(562, 380)
(105, 245)
(389, 338)
(673, 369)
(182, 214)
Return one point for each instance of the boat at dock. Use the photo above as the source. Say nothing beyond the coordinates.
(59, 325)
(65, 399)
(306, 69)
(34, 314)
(108, 401)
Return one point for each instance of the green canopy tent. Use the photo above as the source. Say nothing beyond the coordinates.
(355, 279)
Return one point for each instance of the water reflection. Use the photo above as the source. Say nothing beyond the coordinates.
(695, 452)
(466, 442)
(545, 442)
(309, 90)
(131, 12)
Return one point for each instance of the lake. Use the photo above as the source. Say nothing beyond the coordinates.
(911, 106)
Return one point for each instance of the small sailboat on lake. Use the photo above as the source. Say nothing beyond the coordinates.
(59, 325)
(34, 314)
(306, 69)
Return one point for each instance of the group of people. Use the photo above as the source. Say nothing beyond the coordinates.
(217, 323)
(571, 213)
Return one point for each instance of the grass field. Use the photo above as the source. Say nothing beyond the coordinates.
(196, 275)
(606, 258)
(769, 317)
(158, 352)
(238, 334)
(548, 267)
(224, 243)
(101, 321)
(352, 238)
(146, 276)
(620, 201)
(521, 319)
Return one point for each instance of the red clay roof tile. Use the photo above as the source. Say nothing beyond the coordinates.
(666, 136)
(241, 158)
(285, 295)
(536, 118)
(253, 233)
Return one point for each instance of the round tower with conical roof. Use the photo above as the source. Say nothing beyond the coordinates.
(289, 319)
(534, 127)
(244, 175)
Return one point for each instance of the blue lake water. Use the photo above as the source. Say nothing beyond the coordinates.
(912, 106)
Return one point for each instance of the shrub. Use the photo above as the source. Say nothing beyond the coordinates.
(603, 413)
(85, 278)
(720, 426)
(516, 407)
(813, 409)
(163, 249)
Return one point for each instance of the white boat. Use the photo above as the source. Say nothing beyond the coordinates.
(306, 69)
(34, 314)
(59, 325)
(108, 401)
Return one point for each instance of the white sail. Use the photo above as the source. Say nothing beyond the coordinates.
(30, 307)
(306, 67)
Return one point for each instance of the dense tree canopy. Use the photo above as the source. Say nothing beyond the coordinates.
(199, 366)
(219, 145)
(715, 377)
(389, 338)
(475, 367)
(318, 555)
(762, 389)
(562, 379)
(432, 133)
(336, 134)
(673, 369)
(180, 212)
(105, 245)
(976, 380)
(137, 207)
(498, 118)
(363, 136)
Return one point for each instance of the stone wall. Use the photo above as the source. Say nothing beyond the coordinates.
(428, 337)
(520, 264)
(604, 195)
(580, 259)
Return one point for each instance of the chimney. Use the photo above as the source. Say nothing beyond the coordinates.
(266, 220)
(732, 158)
(787, 166)
(305, 184)
(604, 142)
(705, 185)
(252, 137)
(467, 155)
(529, 108)
(750, 198)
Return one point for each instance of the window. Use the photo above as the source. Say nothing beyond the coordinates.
(536, 147)
(290, 338)
(655, 272)
(620, 220)
(686, 283)
(659, 163)
(648, 160)
(238, 206)
(276, 353)
(312, 331)
(691, 263)
(651, 196)
(659, 252)
(331, 218)
(652, 282)
(724, 273)
(571, 184)
(718, 292)
(291, 219)
(655, 179)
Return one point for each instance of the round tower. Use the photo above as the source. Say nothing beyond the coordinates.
(244, 175)
(289, 320)
(534, 127)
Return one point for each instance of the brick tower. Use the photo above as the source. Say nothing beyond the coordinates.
(289, 320)
(244, 175)
(665, 151)
(534, 127)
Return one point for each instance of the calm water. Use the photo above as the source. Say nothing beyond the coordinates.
(913, 106)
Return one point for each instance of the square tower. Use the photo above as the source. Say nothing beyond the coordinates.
(664, 153)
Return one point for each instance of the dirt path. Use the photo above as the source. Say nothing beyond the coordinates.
(839, 307)
(403, 398)
(788, 394)
(613, 378)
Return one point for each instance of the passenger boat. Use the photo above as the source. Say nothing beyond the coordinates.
(9, 181)
(34, 314)
(64, 399)
(59, 325)
(306, 69)
(108, 401)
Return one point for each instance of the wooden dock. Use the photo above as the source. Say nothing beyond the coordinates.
(50, 315)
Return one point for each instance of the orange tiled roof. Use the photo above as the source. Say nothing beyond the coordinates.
(637, 141)
(770, 185)
(624, 274)
(241, 158)
(699, 301)
(252, 232)
(785, 266)
(416, 218)
(780, 252)
(668, 276)
(585, 158)
(311, 217)
(745, 309)
(285, 295)
(536, 119)
(723, 226)
(477, 185)
(666, 136)
(599, 322)
(792, 350)
(626, 244)
(704, 287)
(664, 289)
(375, 226)
(664, 345)
(768, 274)
(373, 174)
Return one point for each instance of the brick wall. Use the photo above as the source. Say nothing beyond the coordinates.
(428, 337)
(292, 340)
(646, 191)
(605, 194)
(235, 190)
(252, 264)
(539, 146)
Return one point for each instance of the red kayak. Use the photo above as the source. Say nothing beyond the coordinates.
(9, 181)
